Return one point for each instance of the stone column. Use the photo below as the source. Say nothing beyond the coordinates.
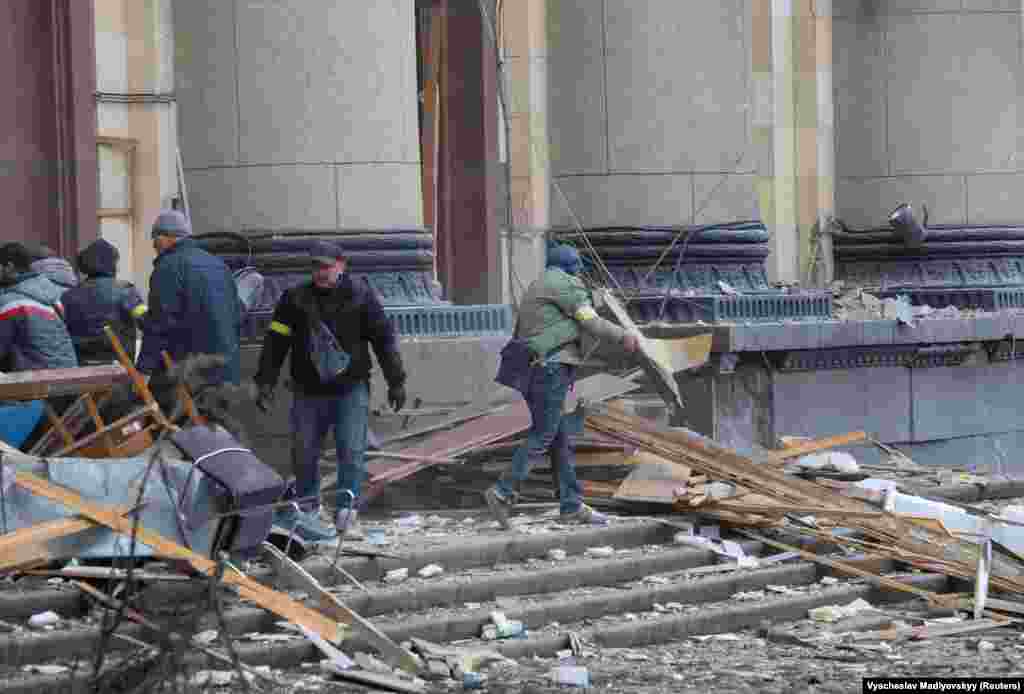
(797, 196)
(525, 56)
(299, 114)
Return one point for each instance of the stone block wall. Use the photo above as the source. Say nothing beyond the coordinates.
(299, 113)
(648, 110)
(928, 103)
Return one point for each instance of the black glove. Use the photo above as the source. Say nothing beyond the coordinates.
(396, 396)
(265, 400)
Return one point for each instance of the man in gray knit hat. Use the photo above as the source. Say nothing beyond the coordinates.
(193, 302)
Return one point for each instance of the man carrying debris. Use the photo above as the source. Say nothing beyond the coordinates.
(193, 303)
(101, 300)
(32, 330)
(555, 311)
(327, 324)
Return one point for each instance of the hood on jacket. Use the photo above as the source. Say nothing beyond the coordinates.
(57, 270)
(565, 258)
(99, 258)
(35, 286)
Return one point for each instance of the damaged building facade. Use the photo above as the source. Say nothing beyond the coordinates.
(604, 114)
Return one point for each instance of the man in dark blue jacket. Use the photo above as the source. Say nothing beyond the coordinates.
(353, 314)
(101, 300)
(193, 302)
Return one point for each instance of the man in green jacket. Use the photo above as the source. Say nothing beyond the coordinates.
(555, 314)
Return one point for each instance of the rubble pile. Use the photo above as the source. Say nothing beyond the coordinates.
(711, 562)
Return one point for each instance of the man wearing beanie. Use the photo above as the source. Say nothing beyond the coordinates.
(553, 315)
(101, 300)
(193, 302)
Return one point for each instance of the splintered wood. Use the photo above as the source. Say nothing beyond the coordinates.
(248, 589)
(764, 495)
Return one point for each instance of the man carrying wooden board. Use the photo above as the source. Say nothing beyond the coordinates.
(542, 359)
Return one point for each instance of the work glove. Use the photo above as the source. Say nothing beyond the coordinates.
(265, 400)
(396, 396)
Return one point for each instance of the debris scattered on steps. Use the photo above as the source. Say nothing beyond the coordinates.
(396, 575)
(599, 552)
(834, 613)
(44, 620)
(430, 571)
(501, 627)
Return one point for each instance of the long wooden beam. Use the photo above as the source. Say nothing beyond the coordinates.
(248, 589)
(803, 449)
(49, 383)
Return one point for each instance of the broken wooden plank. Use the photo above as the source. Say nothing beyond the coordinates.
(803, 449)
(330, 604)
(50, 383)
(654, 479)
(248, 589)
(28, 546)
(729, 505)
(117, 426)
(603, 459)
(662, 359)
(880, 581)
(937, 630)
(378, 681)
(107, 573)
(720, 463)
(508, 421)
(413, 458)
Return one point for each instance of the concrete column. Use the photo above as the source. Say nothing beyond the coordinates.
(299, 114)
(800, 196)
(525, 56)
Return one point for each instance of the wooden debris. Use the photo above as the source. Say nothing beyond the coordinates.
(508, 421)
(248, 589)
(902, 539)
(28, 547)
(662, 359)
(49, 383)
(372, 679)
(654, 479)
(879, 581)
(331, 605)
(804, 448)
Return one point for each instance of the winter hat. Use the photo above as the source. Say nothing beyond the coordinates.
(326, 252)
(99, 258)
(565, 258)
(171, 223)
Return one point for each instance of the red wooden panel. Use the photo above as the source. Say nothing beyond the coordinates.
(48, 122)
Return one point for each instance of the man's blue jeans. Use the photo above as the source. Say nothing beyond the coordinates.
(549, 433)
(311, 417)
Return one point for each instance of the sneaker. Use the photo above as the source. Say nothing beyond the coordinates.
(347, 522)
(584, 515)
(499, 507)
(306, 524)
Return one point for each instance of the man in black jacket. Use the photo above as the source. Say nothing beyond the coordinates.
(351, 311)
(99, 301)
